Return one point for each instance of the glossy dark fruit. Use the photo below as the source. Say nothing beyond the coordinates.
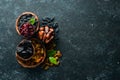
(55, 25)
(25, 49)
(20, 49)
(56, 30)
(48, 19)
(52, 19)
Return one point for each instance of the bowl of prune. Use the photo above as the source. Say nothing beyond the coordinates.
(27, 24)
(30, 53)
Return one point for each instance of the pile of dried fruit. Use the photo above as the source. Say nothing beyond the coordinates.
(25, 49)
(46, 34)
(38, 47)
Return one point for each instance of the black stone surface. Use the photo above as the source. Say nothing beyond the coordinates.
(89, 39)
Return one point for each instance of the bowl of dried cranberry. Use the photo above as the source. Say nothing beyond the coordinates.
(27, 24)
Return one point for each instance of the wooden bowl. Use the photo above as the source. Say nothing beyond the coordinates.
(31, 62)
(17, 21)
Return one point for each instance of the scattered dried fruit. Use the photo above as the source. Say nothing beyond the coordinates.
(25, 49)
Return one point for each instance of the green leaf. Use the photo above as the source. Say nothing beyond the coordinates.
(32, 21)
(51, 53)
(53, 60)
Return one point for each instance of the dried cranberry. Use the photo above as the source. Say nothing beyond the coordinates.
(27, 29)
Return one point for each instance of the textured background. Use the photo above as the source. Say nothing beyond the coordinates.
(89, 39)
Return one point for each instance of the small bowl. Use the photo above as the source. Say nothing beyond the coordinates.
(17, 21)
(31, 62)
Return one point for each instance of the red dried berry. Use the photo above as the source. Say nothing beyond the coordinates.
(27, 30)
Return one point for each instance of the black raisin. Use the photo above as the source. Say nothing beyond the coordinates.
(55, 25)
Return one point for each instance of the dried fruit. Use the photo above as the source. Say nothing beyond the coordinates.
(46, 34)
(58, 54)
(27, 30)
(25, 49)
(52, 25)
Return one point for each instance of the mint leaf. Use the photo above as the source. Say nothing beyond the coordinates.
(51, 53)
(53, 60)
(32, 21)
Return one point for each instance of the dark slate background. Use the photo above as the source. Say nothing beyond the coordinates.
(89, 39)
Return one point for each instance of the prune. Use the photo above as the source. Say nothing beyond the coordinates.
(29, 51)
(19, 49)
(56, 30)
(55, 25)
(25, 49)
(28, 18)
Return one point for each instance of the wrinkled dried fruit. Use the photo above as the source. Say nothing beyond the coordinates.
(27, 30)
(25, 49)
